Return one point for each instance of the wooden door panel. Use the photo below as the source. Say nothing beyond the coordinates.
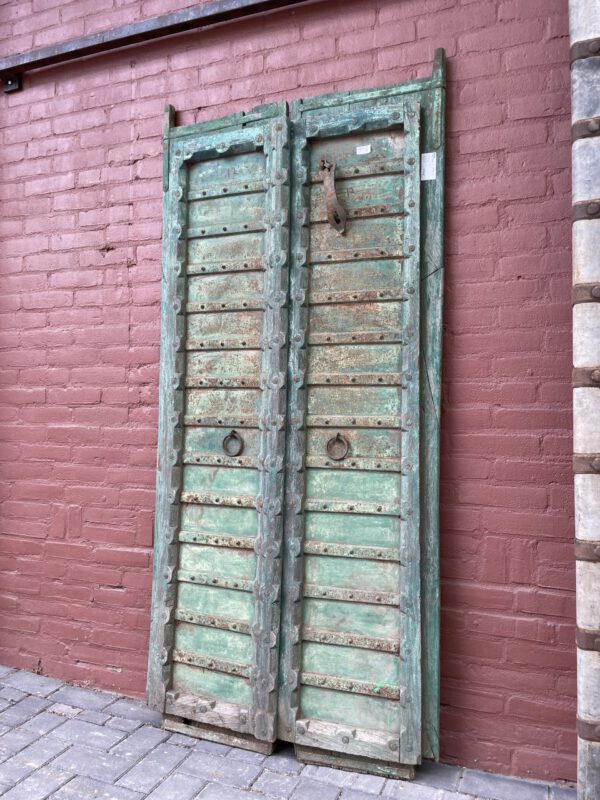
(219, 522)
(352, 660)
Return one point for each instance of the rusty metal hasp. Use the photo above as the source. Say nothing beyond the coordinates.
(336, 213)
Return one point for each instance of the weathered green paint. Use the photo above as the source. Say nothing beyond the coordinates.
(358, 670)
(351, 323)
(218, 520)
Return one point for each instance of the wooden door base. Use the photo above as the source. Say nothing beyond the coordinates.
(327, 758)
(191, 728)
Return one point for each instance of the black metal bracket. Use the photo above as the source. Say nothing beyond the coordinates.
(12, 83)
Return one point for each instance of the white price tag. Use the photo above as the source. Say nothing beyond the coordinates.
(363, 149)
(428, 166)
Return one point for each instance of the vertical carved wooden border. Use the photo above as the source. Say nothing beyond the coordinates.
(170, 427)
(265, 631)
(291, 652)
(410, 557)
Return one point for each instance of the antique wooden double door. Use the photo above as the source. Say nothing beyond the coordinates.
(289, 542)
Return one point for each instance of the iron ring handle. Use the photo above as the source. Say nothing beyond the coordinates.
(233, 444)
(338, 447)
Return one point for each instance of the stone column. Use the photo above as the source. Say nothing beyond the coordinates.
(584, 19)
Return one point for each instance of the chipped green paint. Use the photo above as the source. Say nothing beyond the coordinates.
(339, 651)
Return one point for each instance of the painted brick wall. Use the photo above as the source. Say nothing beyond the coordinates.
(79, 313)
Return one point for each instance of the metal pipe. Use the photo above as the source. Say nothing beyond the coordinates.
(584, 23)
(199, 16)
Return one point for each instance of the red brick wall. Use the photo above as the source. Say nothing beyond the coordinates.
(79, 312)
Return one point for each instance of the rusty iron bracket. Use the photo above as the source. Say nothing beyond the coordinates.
(587, 209)
(585, 128)
(588, 48)
(585, 293)
(588, 639)
(336, 213)
(590, 731)
(586, 376)
(586, 464)
(587, 551)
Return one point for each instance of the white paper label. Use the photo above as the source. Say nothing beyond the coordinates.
(363, 149)
(428, 166)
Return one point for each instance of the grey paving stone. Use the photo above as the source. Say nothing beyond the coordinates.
(355, 794)
(178, 787)
(33, 757)
(86, 788)
(284, 761)
(218, 769)
(23, 710)
(249, 756)
(122, 724)
(4, 703)
(408, 790)
(39, 752)
(338, 777)
(6, 671)
(215, 748)
(133, 709)
(93, 763)
(182, 741)
(12, 694)
(453, 796)
(96, 717)
(151, 770)
(216, 792)
(87, 699)
(562, 793)
(500, 787)
(442, 776)
(308, 789)
(63, 710)
(38, 786)
(31, 684)
(42, 723)
(140, 742)
(14, 741)
(276, 783)
(78, 732)
(371, 784)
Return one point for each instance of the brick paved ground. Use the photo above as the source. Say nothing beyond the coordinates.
(67, 743)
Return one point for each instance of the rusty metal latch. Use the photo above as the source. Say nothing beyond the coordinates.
(338, 447)
(336, 213)
(233, 444)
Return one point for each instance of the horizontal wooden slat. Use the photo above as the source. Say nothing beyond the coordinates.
(212, 621)
(350, 639)
(208, 662)
(351, 595)
(216, 540)
(351, 551)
